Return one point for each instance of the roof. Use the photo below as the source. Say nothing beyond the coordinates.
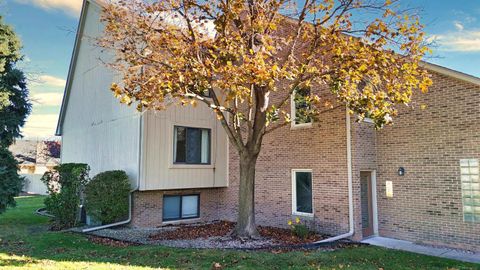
(451, 73)
(429, 66)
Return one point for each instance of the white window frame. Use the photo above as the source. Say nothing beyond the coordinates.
(192, 165)
(468, 160)
(294, 193)
(293, 114)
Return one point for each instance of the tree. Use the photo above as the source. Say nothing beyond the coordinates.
(245, 58)
(14, 109)
(10, 182)
(14, 103)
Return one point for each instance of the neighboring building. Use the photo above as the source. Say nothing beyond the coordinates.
(416, 180)
(34, 158)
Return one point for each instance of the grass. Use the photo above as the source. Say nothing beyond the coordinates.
(26, 243)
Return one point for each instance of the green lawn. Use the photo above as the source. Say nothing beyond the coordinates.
(25, 243)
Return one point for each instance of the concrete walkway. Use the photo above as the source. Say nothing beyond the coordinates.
(427, 250)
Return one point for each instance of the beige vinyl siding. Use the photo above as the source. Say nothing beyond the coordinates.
(97, 129)
(159, 170)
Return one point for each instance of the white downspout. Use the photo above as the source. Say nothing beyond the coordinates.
(350, 188)
(130, 195)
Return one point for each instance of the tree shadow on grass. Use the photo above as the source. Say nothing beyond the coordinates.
(73, 250)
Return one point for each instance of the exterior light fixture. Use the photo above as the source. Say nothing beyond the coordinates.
(401, 171)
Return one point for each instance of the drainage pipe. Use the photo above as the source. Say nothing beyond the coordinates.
(130, 195)
(350, 187)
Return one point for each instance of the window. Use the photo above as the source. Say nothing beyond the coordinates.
(301, 107)
(191, 145)
(176, 207)
(302, 192)
(469, 176)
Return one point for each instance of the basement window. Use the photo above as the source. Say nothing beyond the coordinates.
(191, 145)
(301, 108)
(177, 207)
(302, 198)
(469, 175)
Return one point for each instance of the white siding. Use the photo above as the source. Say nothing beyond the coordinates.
(34, 185)
(97, 129)
(159, 170)
(101, 132)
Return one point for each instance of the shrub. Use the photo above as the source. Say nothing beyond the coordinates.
(299, 229)
(65, 185)
(10, 182)
(106, 196)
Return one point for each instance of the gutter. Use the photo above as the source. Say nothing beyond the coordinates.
(350, 188)
(137, 187)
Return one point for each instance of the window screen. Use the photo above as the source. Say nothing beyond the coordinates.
(469, 174)
(191, 145)
(303, 192)
(176, 207)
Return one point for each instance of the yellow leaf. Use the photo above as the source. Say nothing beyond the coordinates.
(126, 100)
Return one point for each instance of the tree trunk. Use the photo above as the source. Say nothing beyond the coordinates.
(246, 226)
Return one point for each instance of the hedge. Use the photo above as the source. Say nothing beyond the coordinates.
(65, 186)
(106, 196)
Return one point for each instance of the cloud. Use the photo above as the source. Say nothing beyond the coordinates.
(458, 25)
(71, 7)
(40, 126)
(47, 99)
(459, 41)
(52, 81)
(48, 80)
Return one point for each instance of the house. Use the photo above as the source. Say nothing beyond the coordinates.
(34, 158)
(416, 180)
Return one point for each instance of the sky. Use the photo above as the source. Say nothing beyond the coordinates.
(47, 30)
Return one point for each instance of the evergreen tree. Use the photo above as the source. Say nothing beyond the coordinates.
(14, 102)
(15, 106)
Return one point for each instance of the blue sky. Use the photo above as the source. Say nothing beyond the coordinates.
(47, 27)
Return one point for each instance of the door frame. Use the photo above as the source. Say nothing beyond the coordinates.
(373, 183)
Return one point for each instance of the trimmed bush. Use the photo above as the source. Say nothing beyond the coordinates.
(65, 185)
(10, 182)
(106, 196)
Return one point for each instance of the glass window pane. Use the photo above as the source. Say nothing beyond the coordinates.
(304, 192)
(205, 146)
(302, 106)
(194, 145)
(464, 162)
(190, 206)
(465, 170)
(180, 144)
(171, 207)
(469, 170)
(473, 163)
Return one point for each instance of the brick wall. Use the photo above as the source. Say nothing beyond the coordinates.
(147, 206)
(321, 148)
(427, 204)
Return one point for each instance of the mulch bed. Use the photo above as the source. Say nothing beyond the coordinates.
(186, 232)
(285, 236)
(280, 236)
(110, 242)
